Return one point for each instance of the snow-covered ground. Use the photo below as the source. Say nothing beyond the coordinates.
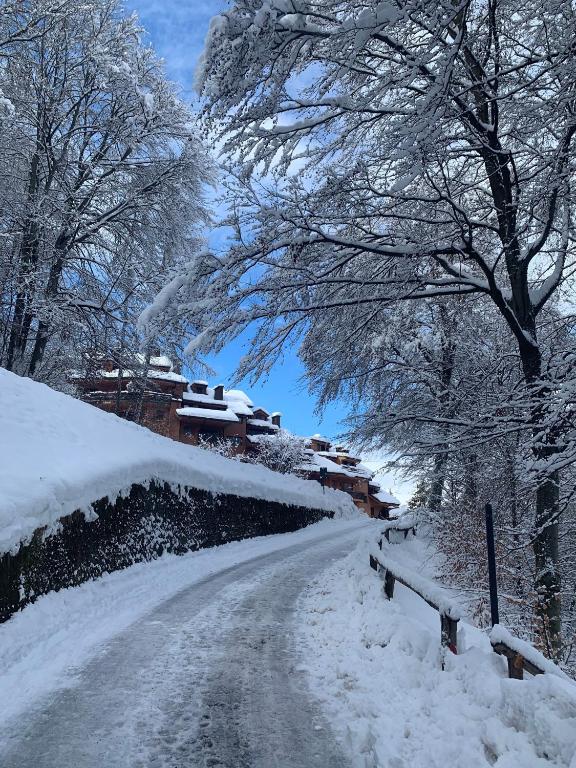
(58, 454)
(203, 657)
(376, 666)
(42, 645)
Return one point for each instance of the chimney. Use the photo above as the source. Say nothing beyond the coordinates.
(276, 418)
(200, 387)
(219, 392)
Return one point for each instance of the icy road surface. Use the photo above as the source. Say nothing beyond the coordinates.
(208, 678)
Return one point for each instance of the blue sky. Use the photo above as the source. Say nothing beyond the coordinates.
(176, 29)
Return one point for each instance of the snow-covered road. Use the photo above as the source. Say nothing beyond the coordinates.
(210, 677)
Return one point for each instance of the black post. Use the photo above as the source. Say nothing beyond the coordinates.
(323, 476)
(492, 565)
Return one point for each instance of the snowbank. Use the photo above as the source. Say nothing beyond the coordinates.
(58, 455)
(375, 665)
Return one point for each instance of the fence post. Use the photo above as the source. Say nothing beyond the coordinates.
(449, 632)
(492, 565)
(516, 666)
(389, 582)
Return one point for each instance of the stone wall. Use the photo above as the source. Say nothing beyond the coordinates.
(139, 526)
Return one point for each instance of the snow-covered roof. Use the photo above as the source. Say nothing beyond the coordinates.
(361, 470)
(385, 498)
(239, 407)
(61, 454)
(208, 413)
(198, 397)
(262, 423)
(320, 439)
(316, 461)
(201, 382)
(167, 376)
(151, 374)
(237, 394)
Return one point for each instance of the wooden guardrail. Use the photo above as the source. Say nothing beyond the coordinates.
(516, 662)
(521, 656)
(399, 526)
(392, 572)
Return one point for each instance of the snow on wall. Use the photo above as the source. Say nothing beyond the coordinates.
(58, 454)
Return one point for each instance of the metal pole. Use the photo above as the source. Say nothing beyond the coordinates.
(492, 565)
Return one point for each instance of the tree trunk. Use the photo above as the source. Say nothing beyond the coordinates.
(437, 485)
(28, 260)
(50, 295)
(547, 582)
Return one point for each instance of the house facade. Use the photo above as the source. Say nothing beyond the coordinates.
(196, 413)
(338, 468)
(188, 411)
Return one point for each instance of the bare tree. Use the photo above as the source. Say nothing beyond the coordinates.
(103, 176)
(388, 153)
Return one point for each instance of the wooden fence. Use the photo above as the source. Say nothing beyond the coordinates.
(399, 526)
(436, 597)
(392, 572)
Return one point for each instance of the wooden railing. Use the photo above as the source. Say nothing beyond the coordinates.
(398, 526)
(520, 655)
(392, 572)
(517, 663)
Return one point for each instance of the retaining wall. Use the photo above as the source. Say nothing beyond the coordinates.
(141, 525)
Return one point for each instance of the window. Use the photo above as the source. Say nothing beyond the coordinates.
(210, 435)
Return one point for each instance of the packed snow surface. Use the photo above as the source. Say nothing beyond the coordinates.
(59, 454)
(376, 665)
(42, 645)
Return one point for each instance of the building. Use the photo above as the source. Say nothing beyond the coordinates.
(167, 403)
(195, 413)
(337, 468)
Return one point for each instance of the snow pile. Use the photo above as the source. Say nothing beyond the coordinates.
(59, 454)
(375, 664)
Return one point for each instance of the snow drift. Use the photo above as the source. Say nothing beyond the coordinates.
(375, 666)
